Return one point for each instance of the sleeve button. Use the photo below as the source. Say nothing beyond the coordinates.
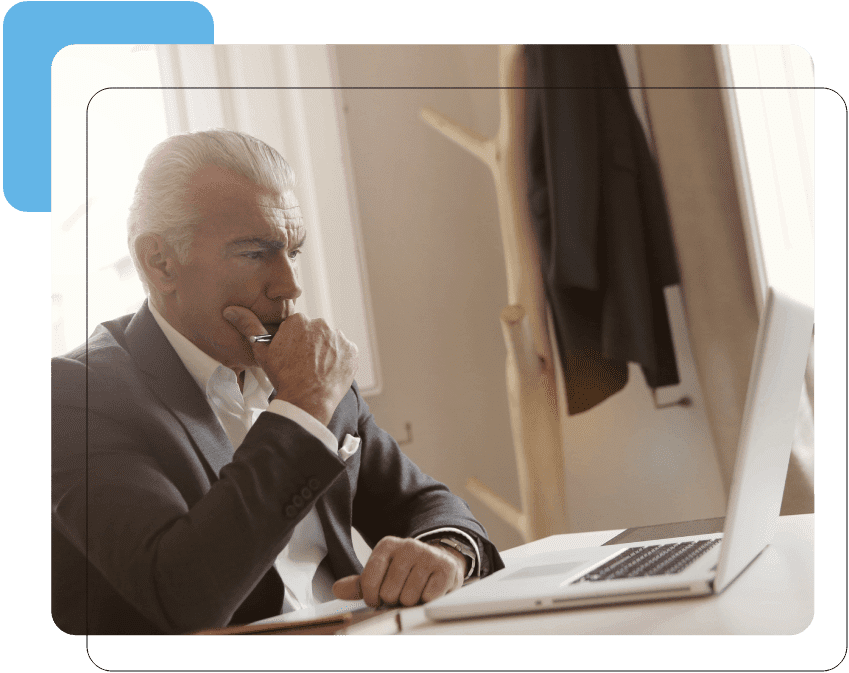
(298, 501)
(291, 512)
(306, 494)
(314, 484)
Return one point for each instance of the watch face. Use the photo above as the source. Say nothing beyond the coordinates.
(459, 546)
(463, 549)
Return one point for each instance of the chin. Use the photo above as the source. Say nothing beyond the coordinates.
(236, 355)
(246, 357)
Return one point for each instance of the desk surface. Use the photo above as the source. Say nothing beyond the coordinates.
(774, 595)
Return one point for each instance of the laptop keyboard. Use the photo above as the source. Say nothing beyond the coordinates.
(663, 559)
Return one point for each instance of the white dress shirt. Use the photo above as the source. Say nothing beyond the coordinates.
(306, 582)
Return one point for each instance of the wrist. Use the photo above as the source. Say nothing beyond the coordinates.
(320, 412)
(461, 560)
(307, 421)
(459, 550)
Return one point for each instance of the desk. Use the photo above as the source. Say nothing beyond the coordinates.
(774, 595)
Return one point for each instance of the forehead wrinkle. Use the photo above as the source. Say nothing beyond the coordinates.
(287, 218)
(293, 238)
(272, 206)
(259, 241)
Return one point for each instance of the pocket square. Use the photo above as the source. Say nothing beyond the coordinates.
(349, 447)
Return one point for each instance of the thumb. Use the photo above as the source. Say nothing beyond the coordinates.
(348, 588)
(244, 320)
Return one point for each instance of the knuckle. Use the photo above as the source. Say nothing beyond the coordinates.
(428, 596)
(432, 591)
(420, 575)
(375, 563)
(387, 596)
(382, 546)
(440, 576)
(391, 542)
(409, 598)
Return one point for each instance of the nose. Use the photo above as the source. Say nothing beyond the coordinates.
(284, 283)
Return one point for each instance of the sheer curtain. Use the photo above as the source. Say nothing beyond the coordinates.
(777, 129)
(123, 126)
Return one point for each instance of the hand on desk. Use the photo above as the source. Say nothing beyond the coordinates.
(404, 571)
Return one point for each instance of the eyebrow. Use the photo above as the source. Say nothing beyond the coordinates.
(267, 243)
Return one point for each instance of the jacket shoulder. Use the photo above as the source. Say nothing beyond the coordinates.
(102, 364)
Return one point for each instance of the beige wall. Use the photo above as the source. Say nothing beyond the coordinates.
(436, 275)
(435, 264)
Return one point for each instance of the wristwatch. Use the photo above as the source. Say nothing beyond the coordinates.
(461, 547)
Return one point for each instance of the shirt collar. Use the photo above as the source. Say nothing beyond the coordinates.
(203, 367)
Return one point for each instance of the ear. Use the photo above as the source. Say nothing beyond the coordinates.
(158, 261)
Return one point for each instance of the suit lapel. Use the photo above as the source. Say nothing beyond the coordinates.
(334, 511)
(335, 506)
(171, 382)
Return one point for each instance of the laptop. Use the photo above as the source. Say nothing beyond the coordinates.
(676, 567)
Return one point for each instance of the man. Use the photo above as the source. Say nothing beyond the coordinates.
(202, 477)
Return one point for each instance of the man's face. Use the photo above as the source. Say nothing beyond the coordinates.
(244, 253)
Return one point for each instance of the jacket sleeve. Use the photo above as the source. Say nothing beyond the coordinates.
(183, 558)
(394, 497)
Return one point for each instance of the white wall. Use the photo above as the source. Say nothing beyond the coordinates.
(435, 263)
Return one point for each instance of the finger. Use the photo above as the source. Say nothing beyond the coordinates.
(375, 571)
(348, 588)
(244, 320)
(415, 584)
(436, 586)
(399, 570)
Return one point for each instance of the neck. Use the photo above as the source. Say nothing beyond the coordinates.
(155, 300)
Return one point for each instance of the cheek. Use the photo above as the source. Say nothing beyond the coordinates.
(239, 294)
(215, 287)
(237, 286)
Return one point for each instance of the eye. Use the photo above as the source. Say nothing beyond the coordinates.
(253, 254)
(294, 253)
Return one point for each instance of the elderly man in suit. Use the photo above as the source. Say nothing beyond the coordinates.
(203, 477)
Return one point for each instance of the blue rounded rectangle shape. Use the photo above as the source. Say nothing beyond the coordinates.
(33, 33)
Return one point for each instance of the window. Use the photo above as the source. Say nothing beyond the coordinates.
(125, 125)
(774, 137)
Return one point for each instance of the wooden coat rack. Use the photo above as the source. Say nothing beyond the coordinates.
(532, 370)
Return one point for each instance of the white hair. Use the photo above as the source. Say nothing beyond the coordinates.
(160, 205)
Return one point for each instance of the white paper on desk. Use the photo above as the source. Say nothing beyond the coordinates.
(384, 624)
(389, 623)
(328, 609)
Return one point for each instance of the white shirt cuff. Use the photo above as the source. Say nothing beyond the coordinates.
(477, 569)
(307, 421)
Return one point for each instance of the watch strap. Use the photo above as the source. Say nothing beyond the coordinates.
(457, 545)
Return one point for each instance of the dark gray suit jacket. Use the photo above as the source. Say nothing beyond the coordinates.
(167, 530)
(598, 209)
